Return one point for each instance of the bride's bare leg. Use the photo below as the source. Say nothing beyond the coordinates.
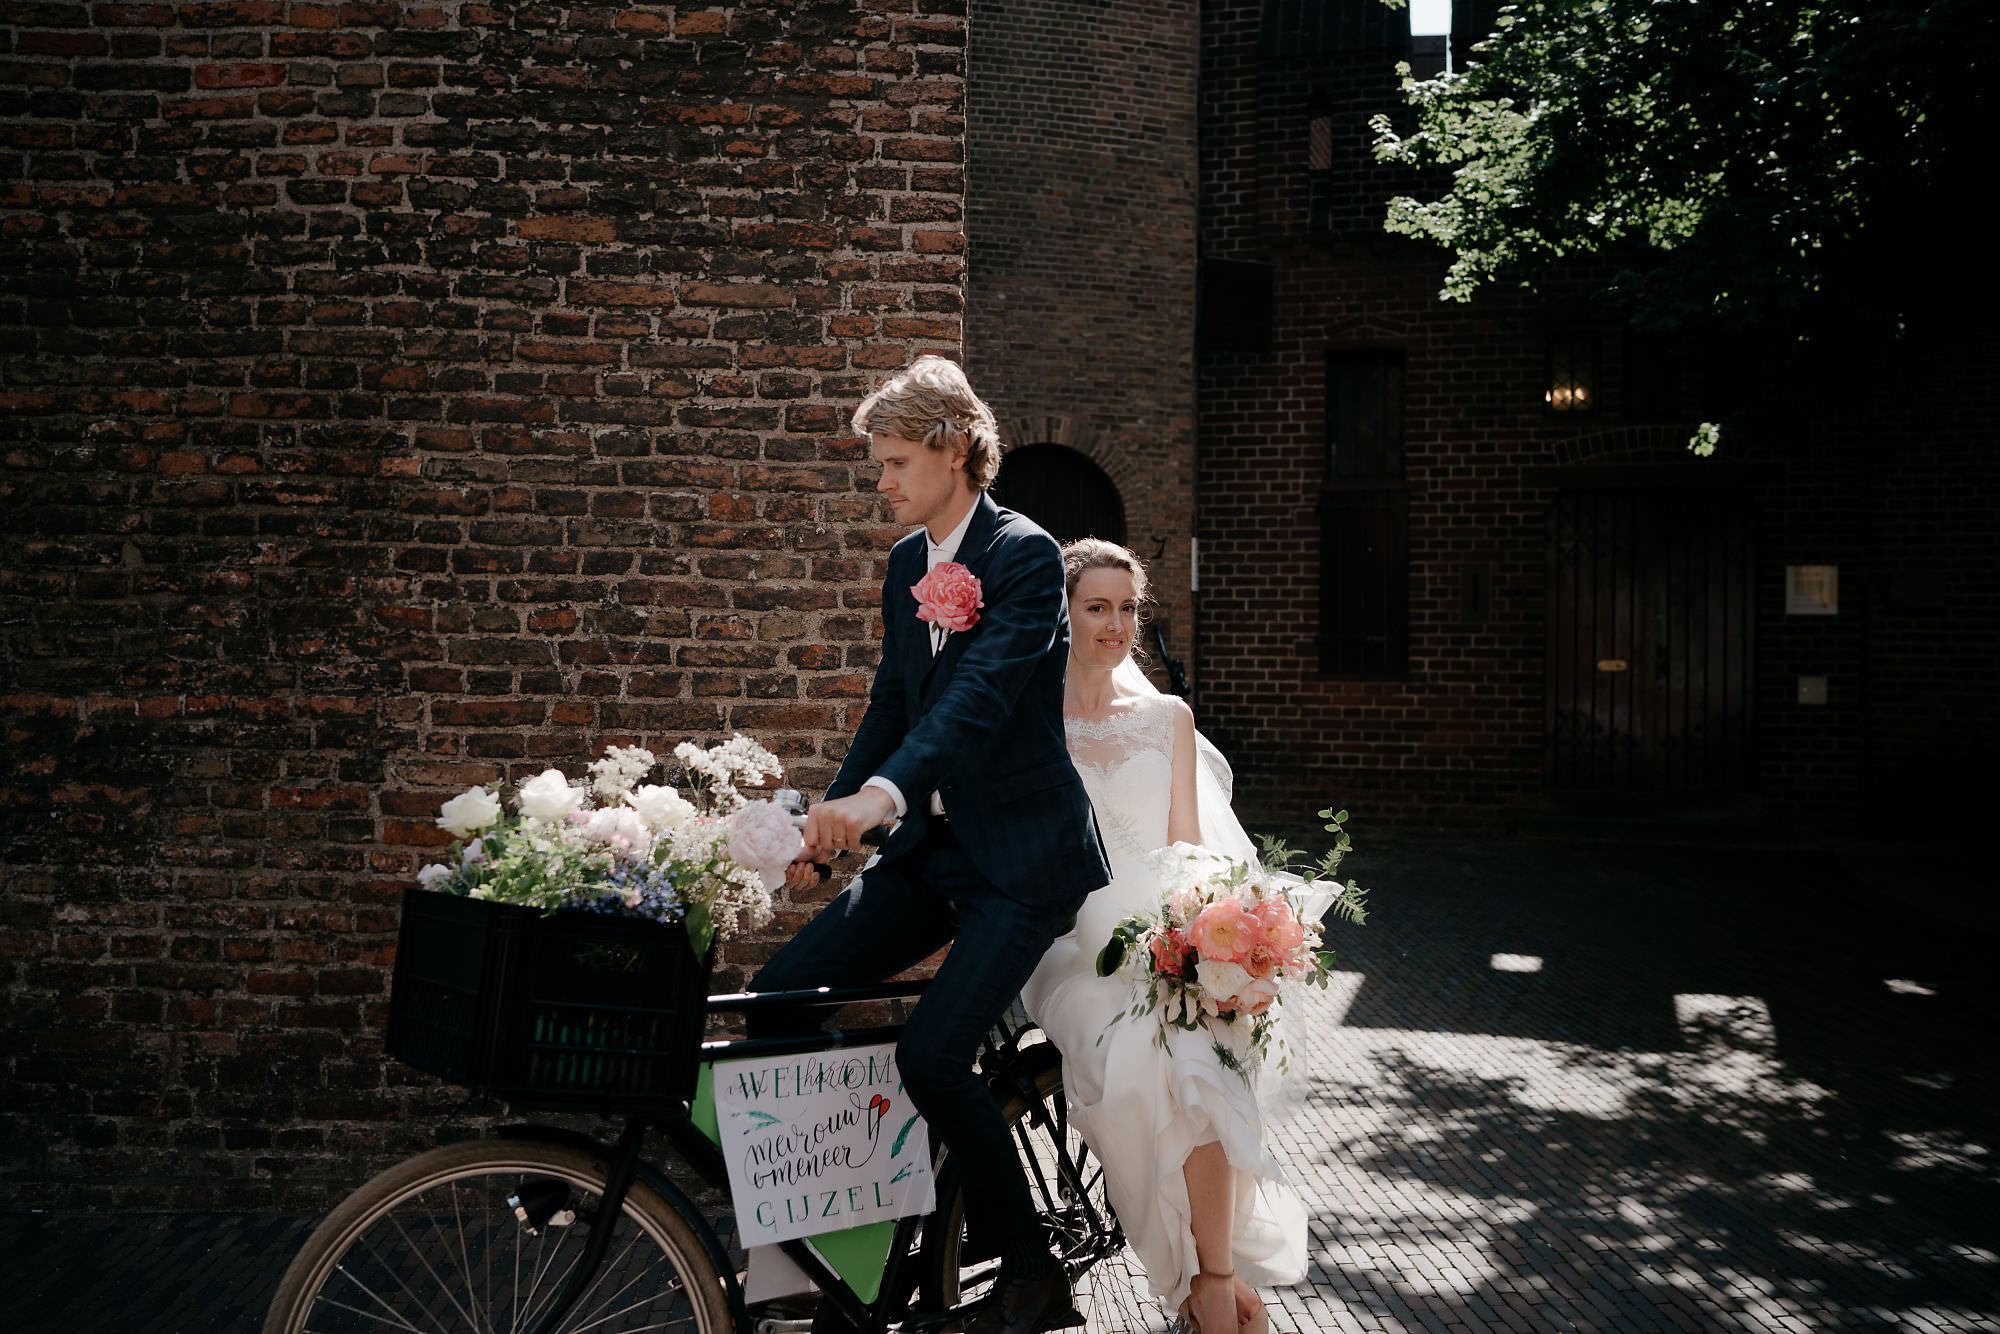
(1215, 1298)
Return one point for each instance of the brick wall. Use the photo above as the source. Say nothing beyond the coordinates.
(1460, 738)
(400, 397)
(1080, 214)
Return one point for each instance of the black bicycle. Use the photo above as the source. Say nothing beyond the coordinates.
(539, 1229)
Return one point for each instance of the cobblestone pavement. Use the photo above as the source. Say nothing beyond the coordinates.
(1565, 1087)
(1558, 1087)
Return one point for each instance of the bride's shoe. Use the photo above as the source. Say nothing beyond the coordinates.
(1186, 1323)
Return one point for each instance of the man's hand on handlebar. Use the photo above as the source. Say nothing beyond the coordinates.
(837, 826)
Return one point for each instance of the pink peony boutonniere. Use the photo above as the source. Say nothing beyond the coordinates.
(949, 597)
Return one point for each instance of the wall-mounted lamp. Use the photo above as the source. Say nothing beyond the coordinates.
(1572, 377)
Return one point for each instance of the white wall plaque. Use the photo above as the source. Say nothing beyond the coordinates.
(819, 1141)
(1812, 590)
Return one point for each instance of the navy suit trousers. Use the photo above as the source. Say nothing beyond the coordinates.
(895, 915)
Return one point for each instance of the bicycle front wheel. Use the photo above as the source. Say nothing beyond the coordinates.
(480, 1238)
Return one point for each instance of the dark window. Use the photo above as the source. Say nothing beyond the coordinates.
(1364, 519)
(1233, 306)
(1572, 380)
(1364, 415)
(1319, 173)
(1061, 490)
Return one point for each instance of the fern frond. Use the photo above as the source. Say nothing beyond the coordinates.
(1351, 906)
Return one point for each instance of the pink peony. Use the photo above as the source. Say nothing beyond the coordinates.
(1279, 925)
(763, 838)
(948, 596)
(1224, 932)
(1261, 961)
(1169, 953)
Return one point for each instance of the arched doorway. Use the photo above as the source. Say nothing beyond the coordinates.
(1061, 490)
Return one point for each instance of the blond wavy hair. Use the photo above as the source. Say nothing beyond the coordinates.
(931, 402)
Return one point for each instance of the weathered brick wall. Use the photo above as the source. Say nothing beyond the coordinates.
(1460, 738)
(1080, 213)
(399, 398)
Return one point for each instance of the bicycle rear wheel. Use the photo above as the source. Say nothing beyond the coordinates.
(1068, 1183)
(436, 1244)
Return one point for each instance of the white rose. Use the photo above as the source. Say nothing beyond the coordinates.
(661, 808)
(430, 875)
(548, 796)
(468, 812)
(1221, 982)
(763, 838)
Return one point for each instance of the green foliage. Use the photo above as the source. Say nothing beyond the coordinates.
(1732, 158)
(1351, 906)
(1112, 956)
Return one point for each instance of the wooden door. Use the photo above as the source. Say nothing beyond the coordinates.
(1650, 644)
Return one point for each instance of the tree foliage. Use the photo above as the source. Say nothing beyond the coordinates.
(1740, 159)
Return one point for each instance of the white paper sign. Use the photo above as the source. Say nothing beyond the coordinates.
(819, 1141)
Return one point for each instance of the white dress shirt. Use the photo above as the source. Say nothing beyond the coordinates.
(937, 554)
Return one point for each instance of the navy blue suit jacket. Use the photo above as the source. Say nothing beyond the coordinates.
(980, 722)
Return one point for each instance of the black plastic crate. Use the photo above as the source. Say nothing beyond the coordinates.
(570, 1010)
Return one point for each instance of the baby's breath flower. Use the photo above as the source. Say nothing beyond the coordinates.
(620, 769)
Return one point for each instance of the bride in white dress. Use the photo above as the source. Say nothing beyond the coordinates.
(1203, 1203)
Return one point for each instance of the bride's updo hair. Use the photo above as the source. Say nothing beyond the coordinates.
(1094, 553)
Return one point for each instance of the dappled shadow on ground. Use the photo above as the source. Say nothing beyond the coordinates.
(1694, 1093)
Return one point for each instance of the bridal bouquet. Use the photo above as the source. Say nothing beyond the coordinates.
(1229, 937)
(707, 857)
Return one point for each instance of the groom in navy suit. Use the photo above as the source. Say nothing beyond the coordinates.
(963, 744)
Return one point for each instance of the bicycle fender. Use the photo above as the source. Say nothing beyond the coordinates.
(662, 1186)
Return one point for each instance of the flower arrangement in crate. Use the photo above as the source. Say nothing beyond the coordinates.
(1229, 938)
(706, 857)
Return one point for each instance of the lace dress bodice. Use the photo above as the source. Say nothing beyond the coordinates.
(1126, 762)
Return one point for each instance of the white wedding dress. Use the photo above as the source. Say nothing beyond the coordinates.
(1142, 1104)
